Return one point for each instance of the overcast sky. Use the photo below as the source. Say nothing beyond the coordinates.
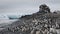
(26, 6)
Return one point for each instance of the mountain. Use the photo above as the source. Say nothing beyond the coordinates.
(42, 22)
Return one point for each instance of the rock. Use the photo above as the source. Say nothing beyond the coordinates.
(36, 23)
(37, 32)
(33, 31)
(44, 8)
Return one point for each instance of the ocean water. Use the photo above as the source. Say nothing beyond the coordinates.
(4, 20)
(7, 21)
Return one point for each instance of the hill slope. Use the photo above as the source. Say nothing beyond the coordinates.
(42, 22)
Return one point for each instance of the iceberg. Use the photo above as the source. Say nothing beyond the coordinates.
(14, 16)
(4, 17)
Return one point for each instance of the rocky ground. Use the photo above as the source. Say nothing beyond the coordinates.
(42, 22)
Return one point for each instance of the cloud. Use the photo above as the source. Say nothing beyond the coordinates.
(26, 6)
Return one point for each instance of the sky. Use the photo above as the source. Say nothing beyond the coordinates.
(23, 7)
